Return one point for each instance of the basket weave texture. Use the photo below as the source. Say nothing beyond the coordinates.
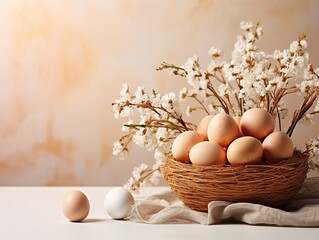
(270, 185)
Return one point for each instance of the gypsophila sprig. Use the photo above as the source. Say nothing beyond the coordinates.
(160, 121)
(251, 78)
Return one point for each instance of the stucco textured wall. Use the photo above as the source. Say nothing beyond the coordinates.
(62, 63)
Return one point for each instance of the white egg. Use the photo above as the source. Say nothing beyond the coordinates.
(118, 202)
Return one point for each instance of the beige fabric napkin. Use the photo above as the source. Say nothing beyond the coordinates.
(302, 211)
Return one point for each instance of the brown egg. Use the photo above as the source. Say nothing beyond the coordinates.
(203, 126)
(245, 150)
(277, 146)
(257, 122)
(76, 206)
(222, 130)
(183, 144)
(237, 119)
(207, 153)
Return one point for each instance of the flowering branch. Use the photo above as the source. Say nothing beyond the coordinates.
(250, 79)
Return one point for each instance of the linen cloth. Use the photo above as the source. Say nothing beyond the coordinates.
(163, 208)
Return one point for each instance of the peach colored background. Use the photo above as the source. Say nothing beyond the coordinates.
(62, 63)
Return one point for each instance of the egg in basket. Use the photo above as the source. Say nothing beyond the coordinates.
(235, 159)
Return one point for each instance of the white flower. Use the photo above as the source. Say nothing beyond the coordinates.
(246, 25)
(140, 95)
(306, 85)
(183, 94)
(294, 46)
(277, 55)
(259, 32)
(203, 82)
(223, 89)
(129, 183)
(189, 111)
(116, 110)
(213, 109)
(161, 134)
(214, 65)
(300, 61)
(159, 156)
(249, 36)
(303, 44)
(126, 112)
(250, 104)
(137, 171)
(125, 93)
(118, 149)
(169, 101)
(190, 68)
(155, 178)
(276, 82)
(155, 98)
(215, 52)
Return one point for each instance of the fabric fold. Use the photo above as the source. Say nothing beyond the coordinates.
(164, 208)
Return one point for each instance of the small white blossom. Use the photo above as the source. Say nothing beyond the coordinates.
(126, 112)
(129, 184)
(125, 93)
(155, 178)
(277, 55)
(305, 86)
(119, 150)
(214, 66)
(249, 36)
(159, 156)
(259, 32)
(300, 61)
(161, 134)
(140, 95)
(203, 83)
(116, 110)
(246, 25)
(183, 94)
(169, 101)
(189, 111)
(215, 52)
(190, 68)
(294, 46)
(137, 171)
(223, 89)
(303, 44)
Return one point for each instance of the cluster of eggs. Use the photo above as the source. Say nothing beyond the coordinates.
(219, 139)
(117, 203)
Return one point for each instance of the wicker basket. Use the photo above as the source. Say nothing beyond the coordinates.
(270, 185)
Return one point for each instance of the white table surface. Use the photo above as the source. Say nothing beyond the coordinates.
(35, 213)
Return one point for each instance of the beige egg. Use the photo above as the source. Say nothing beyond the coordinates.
(237, 119)
(222, 130)
(245, 150)
(207, 153)
(183, 144)
(203, 126)
(76, 206)
(257, 122)
(277, 146)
